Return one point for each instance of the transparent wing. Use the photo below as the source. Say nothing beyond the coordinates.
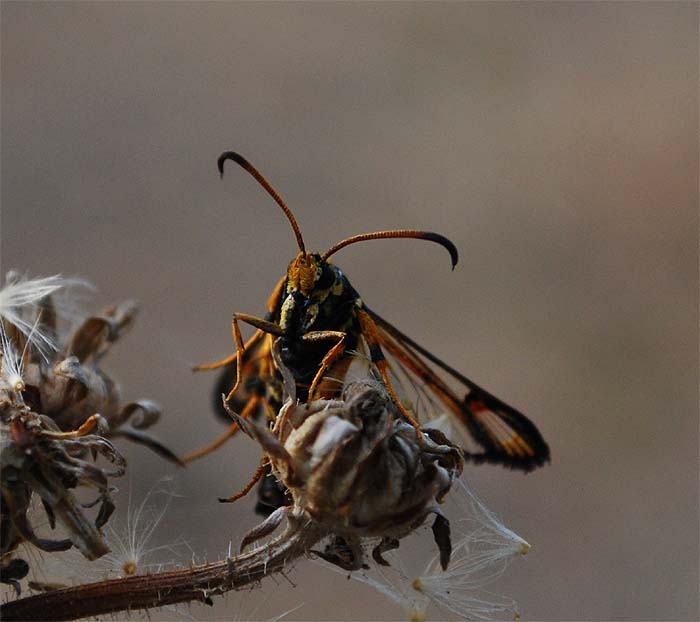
(505, 435)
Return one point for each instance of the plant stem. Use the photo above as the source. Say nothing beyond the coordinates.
(170, 587)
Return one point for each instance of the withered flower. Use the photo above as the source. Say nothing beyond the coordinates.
(57, 406)
(61, 375)
(357, 469)
(71, 386)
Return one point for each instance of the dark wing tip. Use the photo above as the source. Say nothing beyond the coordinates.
(518, 423)
(515, 464)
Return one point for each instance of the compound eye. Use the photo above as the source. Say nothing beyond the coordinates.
(327, 278)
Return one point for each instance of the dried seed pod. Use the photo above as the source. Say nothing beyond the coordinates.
(357, 468)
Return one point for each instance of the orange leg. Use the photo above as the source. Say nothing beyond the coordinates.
(329, 386)
(262, 325)
(249, 486)
(331, 356)
(369, 332)
(196, 454)
(274, 300)
(229, 359)
(272, 304)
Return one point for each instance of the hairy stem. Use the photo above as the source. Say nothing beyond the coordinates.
(167, 588)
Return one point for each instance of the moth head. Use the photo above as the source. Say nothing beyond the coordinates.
(303, 273)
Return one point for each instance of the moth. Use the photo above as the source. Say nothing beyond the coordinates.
(320, 321)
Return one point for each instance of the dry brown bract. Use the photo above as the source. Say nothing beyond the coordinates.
(356, 468)
(71, 386)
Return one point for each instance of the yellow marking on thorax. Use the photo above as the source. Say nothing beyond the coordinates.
(337, 287)
(285, 311)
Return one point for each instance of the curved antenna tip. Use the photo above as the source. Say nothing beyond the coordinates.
(445, 243)
(454, 255)
(229, 155)
(247, 166)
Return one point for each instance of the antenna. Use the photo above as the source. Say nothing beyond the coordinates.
(243, 163)
(399, 233)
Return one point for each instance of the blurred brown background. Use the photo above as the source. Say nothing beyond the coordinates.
(556, 144)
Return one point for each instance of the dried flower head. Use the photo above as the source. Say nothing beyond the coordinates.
(56, 408)
(355, 467)
(58, 371)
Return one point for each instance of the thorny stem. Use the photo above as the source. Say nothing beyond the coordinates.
(198, 583)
